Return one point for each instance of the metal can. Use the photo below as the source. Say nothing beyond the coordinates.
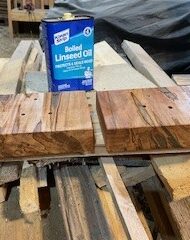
(69, 50)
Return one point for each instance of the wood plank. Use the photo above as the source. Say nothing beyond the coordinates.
(145, 119)
(12, 73)
(158, 210)
(29, 199)
(123, 201)
(23, 16)
(51, 123)
(181, 79)
(119, 76)
(146, 65)
(15, 226)
(104, 55)
(111, 214)
(140, 212)
(175, 174)
(82, 213)
(9, 172)
(132, 176)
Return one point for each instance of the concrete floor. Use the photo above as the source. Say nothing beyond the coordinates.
(8, 45)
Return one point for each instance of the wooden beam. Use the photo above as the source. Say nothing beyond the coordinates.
(174, 171)
(146, 65)
(23, 16)
(123, 201)
(29, 199)
(12, 73)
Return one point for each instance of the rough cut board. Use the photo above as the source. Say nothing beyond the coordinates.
(11, 75)
(146, 65)
(145, 119)
(174, 171)
(45, 123)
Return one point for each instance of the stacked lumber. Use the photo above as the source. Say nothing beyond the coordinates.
(92, 198)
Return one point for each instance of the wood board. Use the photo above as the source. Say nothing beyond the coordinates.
(82, 212)
(181, 79)
(45, 123)
(129, 216)
(145, 119)
(146, 65)
(174, 172)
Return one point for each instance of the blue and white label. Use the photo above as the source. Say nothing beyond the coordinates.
(62, 37)
(70, 54)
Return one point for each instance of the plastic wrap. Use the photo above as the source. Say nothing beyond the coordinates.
(162, 27)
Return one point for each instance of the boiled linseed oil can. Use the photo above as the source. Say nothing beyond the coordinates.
(69, 50)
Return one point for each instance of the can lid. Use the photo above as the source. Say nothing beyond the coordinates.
(68, 16)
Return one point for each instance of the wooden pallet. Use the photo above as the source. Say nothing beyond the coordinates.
(16, 15)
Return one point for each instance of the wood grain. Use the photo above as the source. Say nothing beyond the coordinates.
(131, 221)
(43, 124)
(174, 172)
(82, 212)
(145, 119)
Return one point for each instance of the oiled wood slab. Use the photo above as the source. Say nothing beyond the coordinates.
(145, 119)
(45, 123)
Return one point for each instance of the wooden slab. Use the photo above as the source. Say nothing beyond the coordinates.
(174, 171)
(145, 119)
(45, 123)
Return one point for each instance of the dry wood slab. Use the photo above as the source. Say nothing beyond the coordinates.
(145, 119)
(174, 171)
(45, 123)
